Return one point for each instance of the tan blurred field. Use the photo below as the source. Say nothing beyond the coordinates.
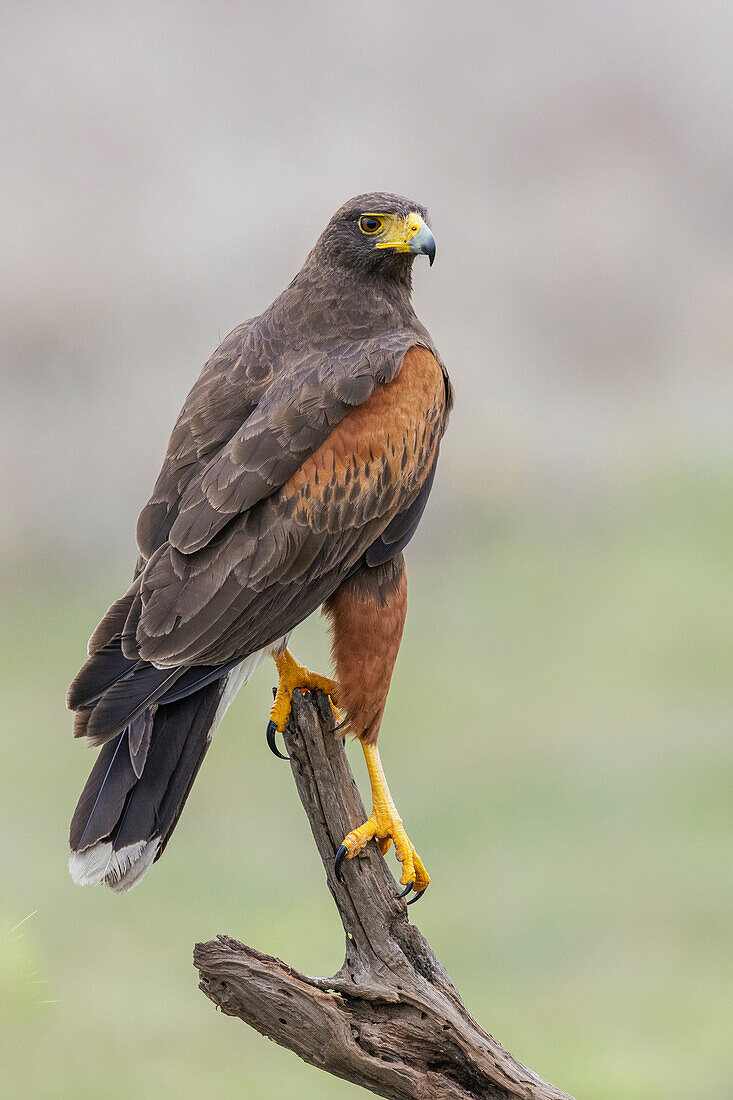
(558, 737)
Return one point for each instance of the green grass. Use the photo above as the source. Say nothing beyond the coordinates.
(558, 739)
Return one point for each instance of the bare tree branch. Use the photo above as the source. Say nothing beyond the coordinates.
(390, 1020)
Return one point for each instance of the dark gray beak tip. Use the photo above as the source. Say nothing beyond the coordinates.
(423, 243)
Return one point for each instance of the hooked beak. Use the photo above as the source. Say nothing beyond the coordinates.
(409, 234)
(423, 243)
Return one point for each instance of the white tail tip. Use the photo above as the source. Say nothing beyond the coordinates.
(119, 870)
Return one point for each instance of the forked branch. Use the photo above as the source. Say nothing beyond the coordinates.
(390, 1020)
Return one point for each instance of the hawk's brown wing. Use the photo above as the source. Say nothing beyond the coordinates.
(267, 559)
(261, 405)
(226, 392)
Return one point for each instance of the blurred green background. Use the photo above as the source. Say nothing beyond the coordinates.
(558, 735)
(558, 739)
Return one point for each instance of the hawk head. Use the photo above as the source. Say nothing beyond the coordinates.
(378, 234)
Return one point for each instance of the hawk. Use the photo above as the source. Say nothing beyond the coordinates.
(297, 472)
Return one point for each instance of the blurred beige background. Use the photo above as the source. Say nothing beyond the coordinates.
(165, 168)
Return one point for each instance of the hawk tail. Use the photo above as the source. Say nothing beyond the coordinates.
(140, 781)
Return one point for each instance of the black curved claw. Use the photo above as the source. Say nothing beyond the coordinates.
(416, 897)
(338, 861)
(406, 891)
(271, 731)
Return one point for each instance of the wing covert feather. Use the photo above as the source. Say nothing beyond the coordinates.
(225, 393)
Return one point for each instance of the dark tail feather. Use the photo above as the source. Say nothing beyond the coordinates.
(112, 692)
(139, 734)
(182, 736)
(115, 619)
(105, 667)
(135, 684)
(195, 678)
(126, 698)
(104, 795)
(124, 820)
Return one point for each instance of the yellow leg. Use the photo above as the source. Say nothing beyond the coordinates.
(293, 675)
(385, 825)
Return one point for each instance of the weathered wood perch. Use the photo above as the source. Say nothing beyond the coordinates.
(390, 1020)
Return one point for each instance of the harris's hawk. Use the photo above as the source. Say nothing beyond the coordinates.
(297, 472)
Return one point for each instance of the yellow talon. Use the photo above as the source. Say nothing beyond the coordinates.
(293, 675)
(384, 825)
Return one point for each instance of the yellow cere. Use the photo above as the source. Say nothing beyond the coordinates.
(400, 231)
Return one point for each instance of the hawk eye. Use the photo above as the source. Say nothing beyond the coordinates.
(369, 224)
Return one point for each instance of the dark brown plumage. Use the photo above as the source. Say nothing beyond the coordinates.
(302, 458)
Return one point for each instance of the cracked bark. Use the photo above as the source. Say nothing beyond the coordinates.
(390, 1020)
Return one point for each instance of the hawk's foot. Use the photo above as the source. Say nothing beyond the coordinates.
(293, 675)
(384, 825)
